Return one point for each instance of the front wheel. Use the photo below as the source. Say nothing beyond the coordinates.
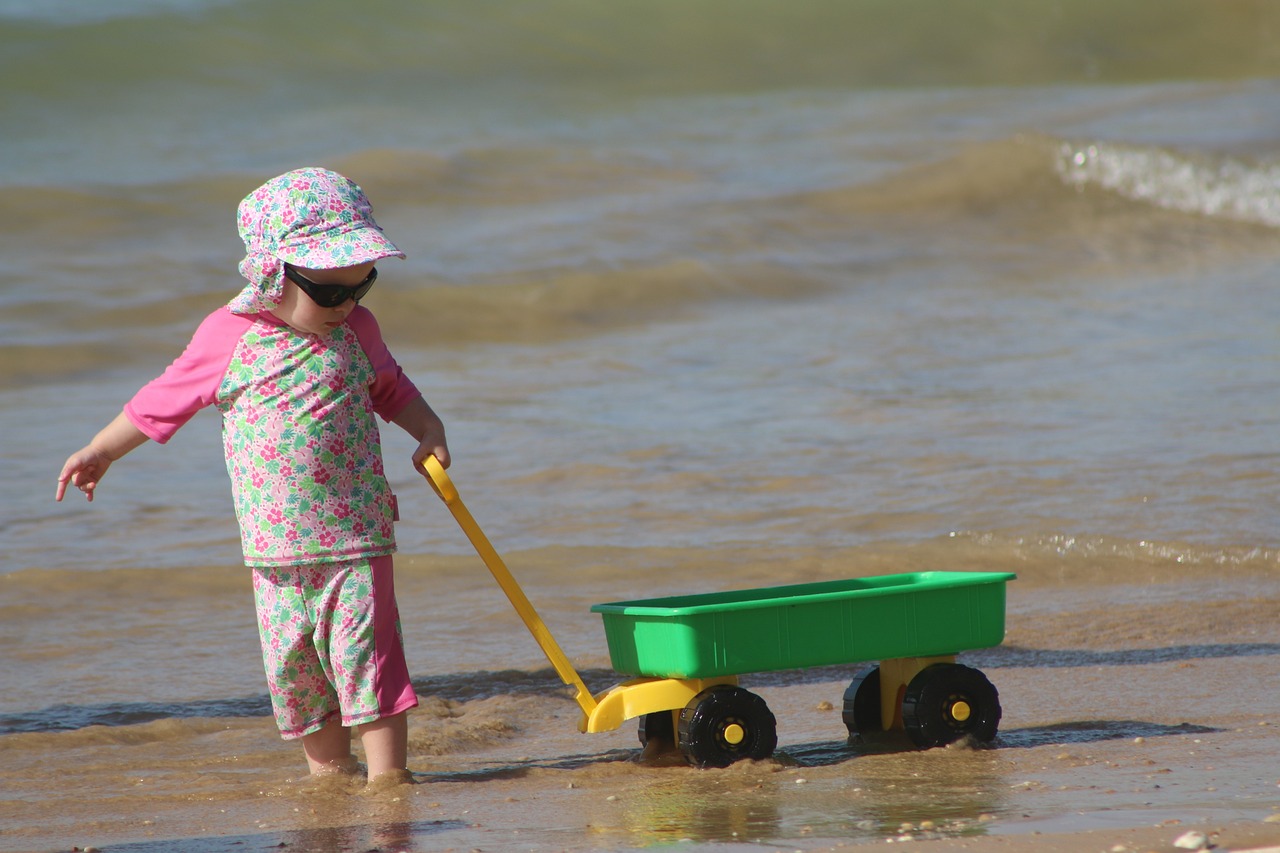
(724, 724)
(946, 702)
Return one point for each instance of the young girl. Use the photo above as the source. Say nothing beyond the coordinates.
(298, 370)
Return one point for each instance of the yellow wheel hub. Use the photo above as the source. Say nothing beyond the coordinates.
(733, 734)
(960, 711)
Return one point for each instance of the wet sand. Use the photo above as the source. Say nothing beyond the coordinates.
(1133, 714)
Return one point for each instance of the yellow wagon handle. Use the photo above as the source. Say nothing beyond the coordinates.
(449, 494)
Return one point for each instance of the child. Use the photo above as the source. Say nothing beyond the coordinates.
(298, 369)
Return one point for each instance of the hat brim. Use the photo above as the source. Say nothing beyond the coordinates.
(331, 249)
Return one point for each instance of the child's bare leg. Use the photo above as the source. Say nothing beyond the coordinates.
(386, 745)
(329, 750)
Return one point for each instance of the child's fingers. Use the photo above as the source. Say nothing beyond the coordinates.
(84, 479)
(439, 451)
(87, 484)
(87, 488)
(420, 459)
(64, 477)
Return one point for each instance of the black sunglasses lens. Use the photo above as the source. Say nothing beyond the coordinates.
(362, 288)
(326, 297)
(331, 295)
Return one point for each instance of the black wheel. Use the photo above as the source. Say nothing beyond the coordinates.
(862, 705)
(947, 701)
(659, 725)
(724, 724)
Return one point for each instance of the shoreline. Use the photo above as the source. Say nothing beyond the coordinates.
(480, 784)
(1129, 720)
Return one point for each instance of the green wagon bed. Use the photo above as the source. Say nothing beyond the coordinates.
(805, 625)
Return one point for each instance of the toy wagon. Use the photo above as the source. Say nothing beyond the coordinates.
(684, 654)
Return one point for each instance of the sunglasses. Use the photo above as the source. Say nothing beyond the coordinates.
(330, 295)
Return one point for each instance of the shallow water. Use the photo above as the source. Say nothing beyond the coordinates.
(799, 293)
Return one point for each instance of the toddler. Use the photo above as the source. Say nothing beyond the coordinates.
(298, 369)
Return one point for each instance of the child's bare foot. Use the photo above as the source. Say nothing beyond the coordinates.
(390, 779)
(336, 777)
(349, 766)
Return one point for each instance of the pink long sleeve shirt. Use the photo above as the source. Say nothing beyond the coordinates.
(301, 443)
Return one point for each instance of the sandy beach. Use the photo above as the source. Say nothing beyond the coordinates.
(1134, 713)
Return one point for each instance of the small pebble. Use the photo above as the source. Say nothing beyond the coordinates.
(1191, 841)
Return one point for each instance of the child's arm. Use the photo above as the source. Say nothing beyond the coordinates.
(420, 421)
(85, 467)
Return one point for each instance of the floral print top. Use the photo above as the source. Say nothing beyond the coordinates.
(301, 443)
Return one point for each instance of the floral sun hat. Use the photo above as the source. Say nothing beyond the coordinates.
(311, 218)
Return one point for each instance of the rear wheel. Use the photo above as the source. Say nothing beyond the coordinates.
(724, 724)
(946, 702)
(659, 725)
(862, 705)
(658, 739)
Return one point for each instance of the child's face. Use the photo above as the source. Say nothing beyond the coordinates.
(298, 311)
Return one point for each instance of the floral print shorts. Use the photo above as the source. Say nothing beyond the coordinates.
(331, 644)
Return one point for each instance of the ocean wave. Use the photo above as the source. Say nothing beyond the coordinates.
(1060, 202)
(1196, 183)
(533, 307)
(542, 307)
(133, 723)
(1119, 553)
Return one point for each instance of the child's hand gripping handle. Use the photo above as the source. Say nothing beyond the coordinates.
(444, 488)
(440, 481)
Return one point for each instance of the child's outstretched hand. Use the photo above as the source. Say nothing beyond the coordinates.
(83, 469)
